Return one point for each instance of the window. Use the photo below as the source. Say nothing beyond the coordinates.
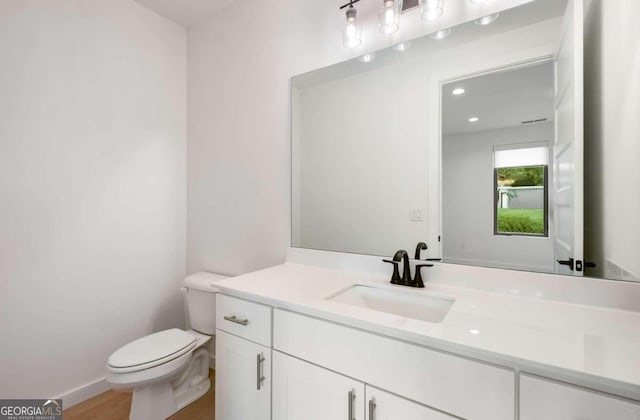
(521, 190)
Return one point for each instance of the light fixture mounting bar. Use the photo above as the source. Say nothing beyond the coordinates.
(350, 4)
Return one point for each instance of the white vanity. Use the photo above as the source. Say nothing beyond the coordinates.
(285, 350)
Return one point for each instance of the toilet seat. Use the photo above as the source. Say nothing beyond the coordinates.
(151, 351)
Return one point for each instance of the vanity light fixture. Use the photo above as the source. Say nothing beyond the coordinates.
(458, 91)
(431, 9)
(388, 16)
(474, 119)
(486, 20)
(368, 57)
(402, 46)
(441, 34)
(351, 30)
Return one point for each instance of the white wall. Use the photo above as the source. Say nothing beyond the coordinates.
(92, 188)
(468, 202)
(612, 133)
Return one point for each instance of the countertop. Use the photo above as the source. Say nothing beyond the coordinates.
(595, 347)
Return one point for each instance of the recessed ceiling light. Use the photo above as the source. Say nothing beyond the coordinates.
(441, 34)
(458, 91)
(474, 119)
(402, 46)
(486, 20)
(474, 332)
(368, 57)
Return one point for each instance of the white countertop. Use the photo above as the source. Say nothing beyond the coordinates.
(591, 346)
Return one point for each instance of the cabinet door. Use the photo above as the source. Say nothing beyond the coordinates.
(243, 379)
(550, 400)
(384, 406)
(304, 391)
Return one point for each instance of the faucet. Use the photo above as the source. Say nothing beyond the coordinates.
(402, 255)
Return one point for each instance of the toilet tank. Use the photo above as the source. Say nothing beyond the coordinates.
(200, 298)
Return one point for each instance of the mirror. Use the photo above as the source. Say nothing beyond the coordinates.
(383, 152)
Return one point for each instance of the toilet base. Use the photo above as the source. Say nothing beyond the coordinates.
(161, 400)
(154, 401)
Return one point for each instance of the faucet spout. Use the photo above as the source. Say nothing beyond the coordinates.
(406, 269)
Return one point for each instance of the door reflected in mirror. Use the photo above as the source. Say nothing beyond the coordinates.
(497, 139)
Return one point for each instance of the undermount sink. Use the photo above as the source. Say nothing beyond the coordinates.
(406, 304)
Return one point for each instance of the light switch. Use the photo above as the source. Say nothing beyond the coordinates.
(415, 215)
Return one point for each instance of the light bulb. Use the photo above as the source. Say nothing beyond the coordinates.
(351, 31)
(388, 16)
(431, 9)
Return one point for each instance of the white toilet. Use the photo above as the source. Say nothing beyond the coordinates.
(169, 369)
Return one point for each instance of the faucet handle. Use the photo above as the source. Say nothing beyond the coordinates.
(417, 281)
(395, 278)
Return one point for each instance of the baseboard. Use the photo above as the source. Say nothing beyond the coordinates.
(84, 392)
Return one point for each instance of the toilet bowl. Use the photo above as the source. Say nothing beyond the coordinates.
(169, 369)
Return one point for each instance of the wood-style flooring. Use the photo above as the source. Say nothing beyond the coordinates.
(113, 405)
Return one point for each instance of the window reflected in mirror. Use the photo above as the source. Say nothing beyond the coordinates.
(521, 191)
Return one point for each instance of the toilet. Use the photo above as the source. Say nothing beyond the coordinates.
(169, 369)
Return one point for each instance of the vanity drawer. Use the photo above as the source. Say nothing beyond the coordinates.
(244, 318)
(457, 385)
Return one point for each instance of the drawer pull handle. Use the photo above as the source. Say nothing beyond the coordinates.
(237, 320)
(372, 408)
(352, 397)
(259, 362)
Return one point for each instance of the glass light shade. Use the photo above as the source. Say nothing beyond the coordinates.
(388, 16)
(431, 9)
(351, 30)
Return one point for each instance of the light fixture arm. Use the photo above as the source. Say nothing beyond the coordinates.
(350, 4)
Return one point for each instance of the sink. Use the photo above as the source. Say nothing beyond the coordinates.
(406, 304)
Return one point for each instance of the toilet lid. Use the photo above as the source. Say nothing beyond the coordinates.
(152, 350)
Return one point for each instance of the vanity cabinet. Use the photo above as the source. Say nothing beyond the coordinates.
(304, 391)
(243, 379)
(550, 400)
(274, 364)
(243, 359)
(456, 385)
